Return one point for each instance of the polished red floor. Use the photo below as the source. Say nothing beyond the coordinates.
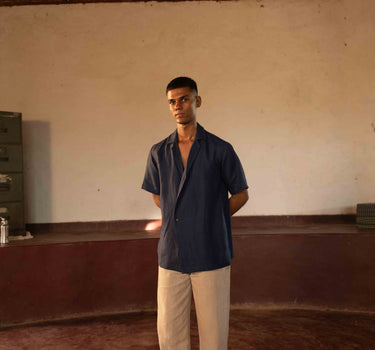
(259, 329)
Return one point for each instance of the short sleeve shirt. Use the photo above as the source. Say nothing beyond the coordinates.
(196, 225)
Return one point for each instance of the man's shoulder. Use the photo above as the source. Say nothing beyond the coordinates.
(217, 141)
(163, 143)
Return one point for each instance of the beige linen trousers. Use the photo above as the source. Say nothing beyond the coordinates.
(211, 292)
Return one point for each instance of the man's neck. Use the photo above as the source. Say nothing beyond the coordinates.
(186, 132)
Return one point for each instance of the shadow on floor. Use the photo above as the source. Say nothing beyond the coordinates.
(258, 329)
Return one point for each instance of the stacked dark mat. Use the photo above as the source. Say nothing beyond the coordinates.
(366, 215)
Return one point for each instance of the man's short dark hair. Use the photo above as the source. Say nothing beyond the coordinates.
(182, 82)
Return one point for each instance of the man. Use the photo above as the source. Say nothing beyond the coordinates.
(189, 175)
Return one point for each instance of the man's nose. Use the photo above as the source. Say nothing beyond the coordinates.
(177, 105)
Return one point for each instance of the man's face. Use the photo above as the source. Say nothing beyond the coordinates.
(183, 104)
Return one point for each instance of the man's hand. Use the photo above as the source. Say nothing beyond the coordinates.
(237, 201)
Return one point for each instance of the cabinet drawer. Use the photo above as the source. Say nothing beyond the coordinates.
(10, 127)
(10, 158)
(11, 187)
(14, 213)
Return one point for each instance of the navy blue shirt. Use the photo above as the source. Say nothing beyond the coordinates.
(196, 226)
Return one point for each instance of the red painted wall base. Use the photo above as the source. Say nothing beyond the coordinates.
(330, 266)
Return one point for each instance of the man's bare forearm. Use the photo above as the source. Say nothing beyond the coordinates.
(237, 201)
(156, 199)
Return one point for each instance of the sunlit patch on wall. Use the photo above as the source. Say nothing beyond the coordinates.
(153, 225)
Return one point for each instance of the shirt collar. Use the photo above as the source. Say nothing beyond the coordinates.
(200, 135)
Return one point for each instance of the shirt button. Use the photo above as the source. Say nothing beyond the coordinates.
(177, 220)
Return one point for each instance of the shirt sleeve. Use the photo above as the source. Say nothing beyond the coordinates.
(232, 171)
(151, 182)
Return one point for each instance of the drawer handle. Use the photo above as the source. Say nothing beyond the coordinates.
(4, 159)
(4, 187)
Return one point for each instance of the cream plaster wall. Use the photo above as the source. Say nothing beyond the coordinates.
(290, 85)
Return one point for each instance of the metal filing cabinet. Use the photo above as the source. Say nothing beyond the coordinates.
(11, 171)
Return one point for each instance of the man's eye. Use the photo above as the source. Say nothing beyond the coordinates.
(172, 102)
(185, 99)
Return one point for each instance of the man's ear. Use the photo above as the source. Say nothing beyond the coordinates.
(198, 101)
